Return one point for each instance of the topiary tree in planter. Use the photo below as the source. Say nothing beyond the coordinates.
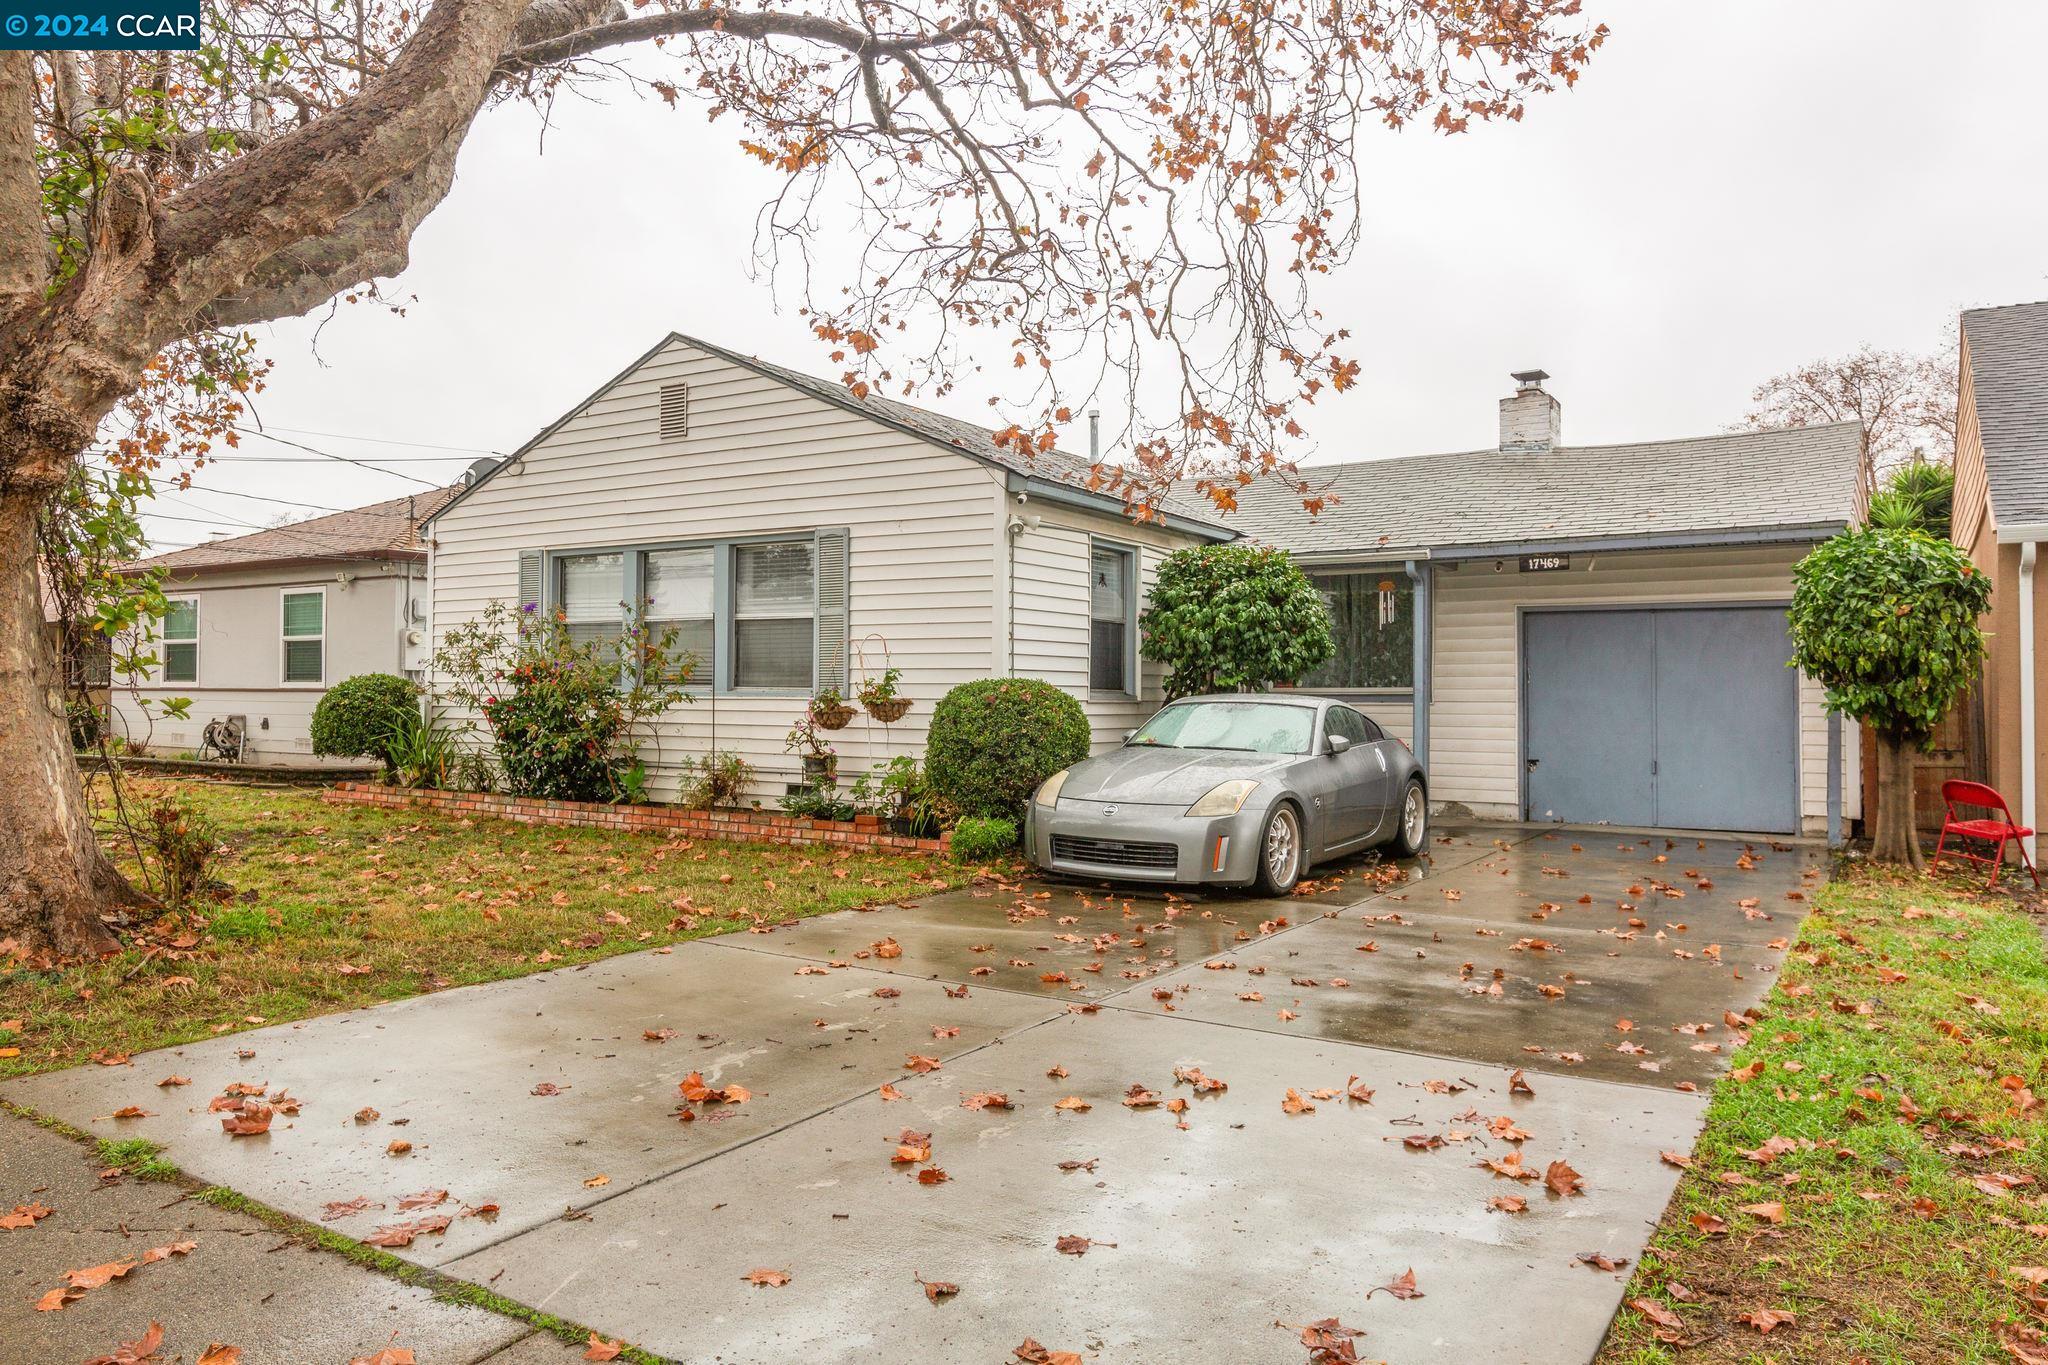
(1234, 618)
(1886, 620)
(357, 716)
(994, 740)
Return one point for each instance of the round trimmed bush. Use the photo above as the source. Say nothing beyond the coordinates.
(356, 717)
(994, 740)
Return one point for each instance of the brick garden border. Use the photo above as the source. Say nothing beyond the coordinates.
(740, 826)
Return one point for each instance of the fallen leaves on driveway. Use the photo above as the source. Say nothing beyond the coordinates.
(1031, 1353)
(1328, 1341)
(1402, 1286)
(78, 1282)
(600, 1349)
(401, 1234)
(24, 1216)
(764, 1278)
(143, 1348)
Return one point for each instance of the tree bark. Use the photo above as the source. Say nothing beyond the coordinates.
(54, 880)
(1896, 839)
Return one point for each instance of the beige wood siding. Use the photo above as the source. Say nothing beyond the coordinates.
(759, 458)
(1049, 608)
(1475, 716)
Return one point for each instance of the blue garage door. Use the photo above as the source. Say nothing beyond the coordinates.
(1677, 716)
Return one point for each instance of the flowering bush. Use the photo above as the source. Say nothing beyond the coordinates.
(562, 713)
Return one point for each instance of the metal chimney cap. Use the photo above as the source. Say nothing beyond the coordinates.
(1530, 379)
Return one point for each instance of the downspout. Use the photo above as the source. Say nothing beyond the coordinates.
(1419, 571)
(2027, 700)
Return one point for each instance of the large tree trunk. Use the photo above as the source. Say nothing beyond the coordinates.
(1895, 840)
(54, 881)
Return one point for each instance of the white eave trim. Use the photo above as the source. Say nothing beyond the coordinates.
(2021, 532)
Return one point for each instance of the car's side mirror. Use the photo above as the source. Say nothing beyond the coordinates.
(1338, 744)
(1129, 735)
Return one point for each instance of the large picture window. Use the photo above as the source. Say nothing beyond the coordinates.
(774, 629)
(1112, 574)
(1372, 617)
(181, 641)
(305, 636)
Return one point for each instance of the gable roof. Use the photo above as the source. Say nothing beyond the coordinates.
(1785, 484)
(1183, 509)
(2009, 381)
(382, 530)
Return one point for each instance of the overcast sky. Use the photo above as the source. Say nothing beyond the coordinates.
(1732, 189)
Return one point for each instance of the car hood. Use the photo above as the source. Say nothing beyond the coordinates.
(1143, 774)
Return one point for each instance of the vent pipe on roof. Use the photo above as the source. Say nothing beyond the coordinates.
(1530, 419)
(1094, 436)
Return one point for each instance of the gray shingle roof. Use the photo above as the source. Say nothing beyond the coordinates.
(2009, 379)
(1056, 466)
(382, 530)
(1700, 490)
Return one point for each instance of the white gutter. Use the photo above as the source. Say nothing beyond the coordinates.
(2028, 550)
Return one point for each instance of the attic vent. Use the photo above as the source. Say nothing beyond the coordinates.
(675, 411)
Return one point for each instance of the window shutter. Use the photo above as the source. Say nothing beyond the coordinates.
(832, 564)
(675, 411)
(529, 579)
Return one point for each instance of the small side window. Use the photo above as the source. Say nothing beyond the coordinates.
(181, 641)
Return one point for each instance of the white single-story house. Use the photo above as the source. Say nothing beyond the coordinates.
(1575, 633)
(261, 625)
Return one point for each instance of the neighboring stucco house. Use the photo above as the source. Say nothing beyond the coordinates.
(1598, 632)
(2001, 518)
(262, 625)
(1479, 598)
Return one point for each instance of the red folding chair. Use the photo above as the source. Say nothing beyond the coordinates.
(2002, 831)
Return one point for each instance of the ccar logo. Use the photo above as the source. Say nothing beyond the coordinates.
(1108, 811)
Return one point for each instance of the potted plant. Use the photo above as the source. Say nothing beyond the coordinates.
(879, 696)
(821, 761)
(830, 711)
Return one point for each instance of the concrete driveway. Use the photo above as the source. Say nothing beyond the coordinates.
(1601, 965)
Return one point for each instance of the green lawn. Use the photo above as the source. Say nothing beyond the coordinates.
(1901, 1055)
(327, 907)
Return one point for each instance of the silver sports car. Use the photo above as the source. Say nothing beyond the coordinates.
(1244, 789)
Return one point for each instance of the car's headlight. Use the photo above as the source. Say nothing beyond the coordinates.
(1225, 799)
(1049, 790)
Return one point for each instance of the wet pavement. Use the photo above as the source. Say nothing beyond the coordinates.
(1603, 965)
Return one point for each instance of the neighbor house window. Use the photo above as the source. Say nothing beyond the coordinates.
(181, 641)
(678, 588)
(590, 595)
(1112, 575)
(774, 627)
(1372, 619)
(305, 636)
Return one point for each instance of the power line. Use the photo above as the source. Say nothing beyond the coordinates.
(328, 454)
(384, 441)
(265, 497)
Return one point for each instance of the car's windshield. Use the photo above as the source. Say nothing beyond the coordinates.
(1245, 726)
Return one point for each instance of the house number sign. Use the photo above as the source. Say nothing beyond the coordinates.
(1545, 563)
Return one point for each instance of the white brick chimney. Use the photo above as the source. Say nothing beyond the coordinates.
(1530, 417)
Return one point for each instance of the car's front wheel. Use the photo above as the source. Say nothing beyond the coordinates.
(1411, 833)
(1280, 852)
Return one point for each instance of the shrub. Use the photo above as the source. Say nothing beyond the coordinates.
(993, 741)
(982, 839)
(87, 724)
(722, 780)
(358, 716)
(422, 750)
(561, 713)
(1886, 620)
(1233, 618)
(182, 843)
(900, 790)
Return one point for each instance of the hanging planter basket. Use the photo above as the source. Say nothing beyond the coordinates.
(832, 717)
(889, 710)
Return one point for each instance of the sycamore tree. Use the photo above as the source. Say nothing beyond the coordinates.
(1887, 621)
(1076, 186)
